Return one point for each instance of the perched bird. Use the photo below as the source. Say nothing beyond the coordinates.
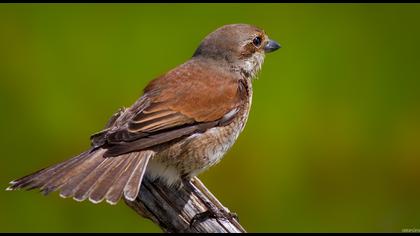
(184, 123)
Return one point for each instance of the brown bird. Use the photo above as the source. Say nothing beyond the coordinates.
(184, 123)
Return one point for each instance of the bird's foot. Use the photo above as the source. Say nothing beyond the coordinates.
(213, 214)
(213, 211)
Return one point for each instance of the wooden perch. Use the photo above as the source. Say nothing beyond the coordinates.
(172, 209)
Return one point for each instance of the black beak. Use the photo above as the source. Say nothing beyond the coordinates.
(271, 46)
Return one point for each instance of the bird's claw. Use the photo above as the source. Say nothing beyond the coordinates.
(212, 214)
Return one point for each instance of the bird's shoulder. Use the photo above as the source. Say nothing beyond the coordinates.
(200, 90)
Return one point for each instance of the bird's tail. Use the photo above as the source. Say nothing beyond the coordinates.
(91, 176)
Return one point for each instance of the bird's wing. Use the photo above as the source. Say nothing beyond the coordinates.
(186, 100)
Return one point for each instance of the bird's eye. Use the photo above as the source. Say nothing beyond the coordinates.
(257, 41)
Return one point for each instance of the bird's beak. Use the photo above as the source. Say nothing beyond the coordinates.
(271, 46)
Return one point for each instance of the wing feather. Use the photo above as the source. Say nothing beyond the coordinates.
(179, 103)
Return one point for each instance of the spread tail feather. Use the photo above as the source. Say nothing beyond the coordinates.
(91, 176)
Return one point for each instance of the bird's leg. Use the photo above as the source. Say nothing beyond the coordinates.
(199, 185)
(212, 210)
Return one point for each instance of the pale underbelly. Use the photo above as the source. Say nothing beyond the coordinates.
(195, 154)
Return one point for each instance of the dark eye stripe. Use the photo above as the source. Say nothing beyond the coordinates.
(257, 41)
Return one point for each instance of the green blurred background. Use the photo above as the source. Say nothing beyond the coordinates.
(332, 143)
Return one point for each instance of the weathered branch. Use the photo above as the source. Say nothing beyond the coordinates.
(172, 209)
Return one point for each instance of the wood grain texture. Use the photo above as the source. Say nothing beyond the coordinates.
(172, 210)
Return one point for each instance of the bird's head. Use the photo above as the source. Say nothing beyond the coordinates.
(242, 47)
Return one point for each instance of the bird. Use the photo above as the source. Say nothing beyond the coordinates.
(183, 123)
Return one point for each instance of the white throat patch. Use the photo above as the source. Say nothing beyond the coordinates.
(252, 65)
